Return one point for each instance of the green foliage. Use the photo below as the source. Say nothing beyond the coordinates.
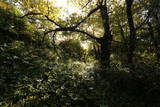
(14, 28)
(34, 71)
(72, 49)
(36, 77)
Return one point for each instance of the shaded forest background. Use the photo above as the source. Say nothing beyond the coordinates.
(105, 55)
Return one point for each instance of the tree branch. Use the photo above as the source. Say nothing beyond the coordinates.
(86, 33)
(31, 13)
(53, 21)
(60, 26)
(71, 29)
(86, 4)
(89, 14)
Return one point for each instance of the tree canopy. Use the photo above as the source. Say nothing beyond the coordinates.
(79, 53)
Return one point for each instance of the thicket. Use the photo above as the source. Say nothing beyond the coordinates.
(35, 72)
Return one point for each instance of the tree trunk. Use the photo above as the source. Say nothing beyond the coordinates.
(158, 37)
(132, 37)
(105, 41)
(105, 53)
(125, 42)
(155, 42)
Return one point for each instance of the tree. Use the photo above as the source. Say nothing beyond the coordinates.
(154, 26)
(103, 10)
(106, 38)
(132, 37)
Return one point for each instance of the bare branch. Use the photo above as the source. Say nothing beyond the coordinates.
(90, 35)
(31, 13)
(72, 30)
(86, 4)
(53, 22)
(60, 26)
(89, 14)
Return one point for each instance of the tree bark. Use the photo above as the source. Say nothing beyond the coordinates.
(105, 41)
(158, 36)
(132, 37)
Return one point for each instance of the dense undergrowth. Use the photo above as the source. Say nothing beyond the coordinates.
(36, 77)
(35, 72)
